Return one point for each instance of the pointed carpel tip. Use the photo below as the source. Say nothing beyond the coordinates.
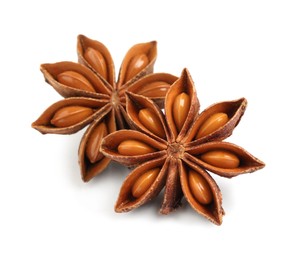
(81, 37)
(261, 164)
(119, 207)
(153, 47)
(45, 66)
(39, 128)
(85, 178)
(42, 66)
(152, 43)
(186, 76)
(185, 72)
(217, 220)
(243, 100)
(34, 125)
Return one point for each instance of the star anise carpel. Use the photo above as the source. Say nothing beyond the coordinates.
(175, 150)
(92, 96)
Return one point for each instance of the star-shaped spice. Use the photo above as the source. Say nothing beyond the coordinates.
(94, 97)
(176, 151)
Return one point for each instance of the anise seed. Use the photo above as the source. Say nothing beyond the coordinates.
(134, 147)
(151, 121)
(155, 89)
(200, 188)
(221, 158)
(143, 183)
(75, 80)
(96, 60)
(94, 142)
(212, 124)
(181, 107)
(137, 63)
(70, 115)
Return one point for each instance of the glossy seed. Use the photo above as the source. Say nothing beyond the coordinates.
(134, 147)
(151, 121)
(75, 80)
(137, 63)
(71, 115)
(94, 142)
(200, 188)
(145, 181)
(212, 124)
(96, 60)
(181, 107)
(155, 89)
(221, 158)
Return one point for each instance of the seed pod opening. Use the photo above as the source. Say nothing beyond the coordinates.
(76, 80)
(217, 121)
(142, 184)
(181, 106)
(154, 86)
(145, 115)
(131, 147)
(91, 160)
(96, 56)
(201, 191)
(138, 62)
(46, 123)
(225, 159)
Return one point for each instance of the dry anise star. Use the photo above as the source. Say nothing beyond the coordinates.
(92, 96)
(175, 150)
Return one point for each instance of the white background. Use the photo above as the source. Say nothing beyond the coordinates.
(231, 48)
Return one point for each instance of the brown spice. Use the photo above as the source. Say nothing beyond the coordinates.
(94, 97)
(179, 156)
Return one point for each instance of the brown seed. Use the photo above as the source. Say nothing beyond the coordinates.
(145, 181)
(75, 80)
(151, 121)
(200, 188)
(181, 107)
(134, 147)
(221, 158)
(96, 60)
(70, 115)
(155, 89)
(212, 124)
(137, 63)
(94, 142)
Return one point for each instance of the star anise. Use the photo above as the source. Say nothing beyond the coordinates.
(176, 151)
(93, 96)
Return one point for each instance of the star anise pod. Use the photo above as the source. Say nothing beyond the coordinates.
(176, 151)
(93, 96)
